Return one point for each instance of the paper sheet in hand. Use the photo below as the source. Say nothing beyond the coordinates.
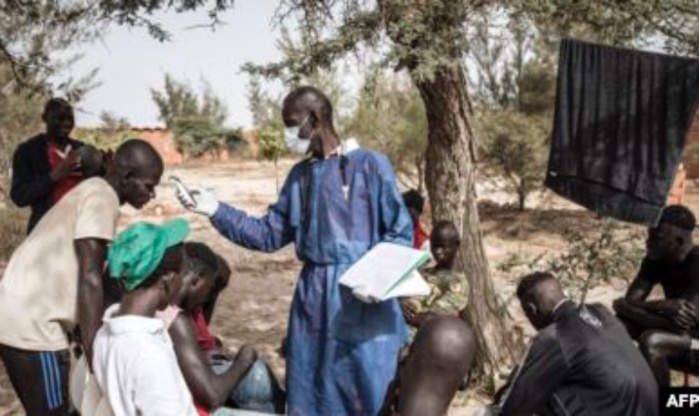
(387, 271)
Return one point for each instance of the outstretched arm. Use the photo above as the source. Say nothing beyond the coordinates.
(268, 233)
(207, 388)
(91, 253)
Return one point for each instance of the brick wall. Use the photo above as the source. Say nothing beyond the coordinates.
(165, 144)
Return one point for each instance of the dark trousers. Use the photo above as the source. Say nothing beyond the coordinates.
(40, 379)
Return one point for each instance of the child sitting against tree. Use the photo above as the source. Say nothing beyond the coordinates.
(449, 295)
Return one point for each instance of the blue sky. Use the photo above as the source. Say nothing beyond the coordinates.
(131, 62)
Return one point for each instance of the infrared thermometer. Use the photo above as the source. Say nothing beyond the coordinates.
(188, 197)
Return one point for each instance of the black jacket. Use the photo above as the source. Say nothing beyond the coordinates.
(31, 181)
(582, 364)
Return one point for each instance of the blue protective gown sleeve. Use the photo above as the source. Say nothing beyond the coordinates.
(394, 218)
(268, 233)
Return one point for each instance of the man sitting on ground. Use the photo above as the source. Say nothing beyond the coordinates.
(224, 276)
(432, 370)
(135, 363)
(53, 281)
(213, 376)
(209, 345)
(666, 329)
(580, 362)
(449, 294)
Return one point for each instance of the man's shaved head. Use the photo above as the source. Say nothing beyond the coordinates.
(311, 111)
(439, 358)
(135, 172)
(539, 293)
(671, 239)
(679, 216)
(445, 230)
(308, 99)
(138, 155)
(536, 284)
(414, 200)
(199, 285)
(444, 243)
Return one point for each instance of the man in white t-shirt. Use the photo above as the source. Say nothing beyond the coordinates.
(53, 282)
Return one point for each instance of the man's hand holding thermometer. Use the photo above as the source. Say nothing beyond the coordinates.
(199, 200)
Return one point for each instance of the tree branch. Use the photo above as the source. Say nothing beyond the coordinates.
(362, 27)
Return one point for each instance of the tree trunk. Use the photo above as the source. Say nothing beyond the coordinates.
(5, 168)
(450, 180)
(450, 157)
(420, 164)
(521, 198)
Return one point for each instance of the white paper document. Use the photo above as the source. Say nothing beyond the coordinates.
(387, 271)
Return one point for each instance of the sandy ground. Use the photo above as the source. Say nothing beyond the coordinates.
(254, 308)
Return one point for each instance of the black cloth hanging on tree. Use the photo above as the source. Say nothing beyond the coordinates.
(620, 125)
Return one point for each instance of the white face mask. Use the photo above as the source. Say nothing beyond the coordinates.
(293, 142)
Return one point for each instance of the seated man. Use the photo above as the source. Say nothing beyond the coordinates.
(580, 362)
(449, 286)
(206, 264)
(224, 276)
(431, 372)
(665, 328)
(415, 204)
(134, 361)
(210, 372)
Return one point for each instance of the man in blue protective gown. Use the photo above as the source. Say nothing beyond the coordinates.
(336, 204)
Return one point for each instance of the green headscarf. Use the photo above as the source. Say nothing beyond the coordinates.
(137, 251)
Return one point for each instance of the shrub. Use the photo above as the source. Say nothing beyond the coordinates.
(589, 259)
